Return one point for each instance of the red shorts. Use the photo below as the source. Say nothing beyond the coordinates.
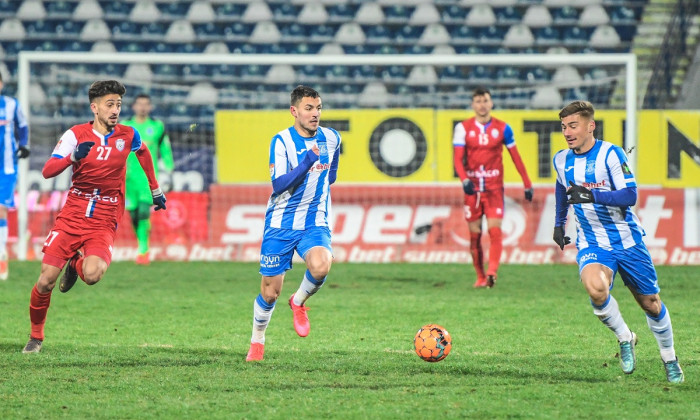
(489, 203)
(72, 232)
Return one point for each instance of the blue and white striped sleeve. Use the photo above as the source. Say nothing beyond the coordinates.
(621, 175)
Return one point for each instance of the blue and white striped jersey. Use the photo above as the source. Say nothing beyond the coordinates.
(603, 168)
(308, 203)
(11, 120)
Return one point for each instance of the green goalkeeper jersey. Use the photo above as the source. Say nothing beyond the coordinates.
(153, 134)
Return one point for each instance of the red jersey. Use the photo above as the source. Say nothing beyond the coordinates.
(482, 148)
(97, 190)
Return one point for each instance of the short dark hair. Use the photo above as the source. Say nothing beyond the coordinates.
(583, 108)
(105, 87)
(142, 96)
(480, 91)
(300, 92)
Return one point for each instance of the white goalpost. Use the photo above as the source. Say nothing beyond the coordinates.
(625, 66)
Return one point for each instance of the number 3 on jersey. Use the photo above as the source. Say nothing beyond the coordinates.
(103, 152)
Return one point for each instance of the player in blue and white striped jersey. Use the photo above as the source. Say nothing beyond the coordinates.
(303, 165)
(14, 133)
(602, 189)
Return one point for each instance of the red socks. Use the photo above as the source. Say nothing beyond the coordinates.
(79, 267)
(38, 306)
(477, 254)
(496, 236)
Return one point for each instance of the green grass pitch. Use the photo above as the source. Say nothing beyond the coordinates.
(169, 341)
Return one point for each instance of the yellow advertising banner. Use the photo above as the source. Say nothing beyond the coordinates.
(415, 145)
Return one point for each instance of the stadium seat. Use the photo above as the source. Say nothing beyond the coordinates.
(408, 34)
(103, 47)
(95, 30)
(224, 72)
(452, 75)
(566, 74)
(364, 73)
(479, 75)
(40, 29)
(547, 36)
(321, 33)
(518, 36)
(434, 34)
(386, 49)
(265, 33)
(374, 94)
(8, 8)
(481, 15)
(574, 36)
(350, 34)
(605, 36)
(12, 30)
(280, 74)
(284, 12)
(424, 14)
(238, 31)
(216, 48)
(228, 11)
(444, 50)
(153, 31)
(566, 15)
(546, 97)
(313, 13)
(331, 48)
(574, 94)
(68, 29)
(378, 34)
(88, 9)
(160, 48)
(395, 74)
(491, 35)
(506, 3)
(309, 73)
(562, 3)
(173, 10)
(257, 12)
(200, 12)
(536, 75)
(424, 75)
(180, 31)
(75, 46)
(337, 74)
(202, 93)
(140, 72)
(145, 11)
(31, 10)
(123, 30)
(189, 48)
(462, 34)
(508, 75)
(117, 9)
(453, 14)
(165, 71)
(293, 32)
(369, 14)
(60, 9)
(339, 13)
(593, 15)
(253, 73)
(397, 13)
(623, 15)
(508, 16)
(537, 16)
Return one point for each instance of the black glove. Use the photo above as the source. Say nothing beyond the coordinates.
(579, 194)
(468, 187)
(22, 152)
(559, 237)
(158, 199)
(82, 150)
(529, 193)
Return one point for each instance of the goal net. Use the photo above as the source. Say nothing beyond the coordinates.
(395, 113)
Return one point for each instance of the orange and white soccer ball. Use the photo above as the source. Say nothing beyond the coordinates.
(432, 343)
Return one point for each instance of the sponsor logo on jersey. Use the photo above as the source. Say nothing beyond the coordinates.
(590, 185)
(269, 261)
(495, 133)
(272, 169)
(5, 122)
(590, 167)
(120, 144)
(626, 169)
(95, 197)
(322, 149)
(484, 173)
(320, 167)
(591, 256)
(472, 133)
(300, 151)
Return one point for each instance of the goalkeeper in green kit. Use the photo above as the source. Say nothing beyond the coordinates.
(138, 195)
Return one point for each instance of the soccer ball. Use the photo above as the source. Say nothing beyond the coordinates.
(432, 343)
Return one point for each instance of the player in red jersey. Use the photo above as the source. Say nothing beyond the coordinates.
(97, 151)
(478, 160)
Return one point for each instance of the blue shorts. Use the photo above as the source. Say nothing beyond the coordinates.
(7, 189)
(634, 264)
(278, 247)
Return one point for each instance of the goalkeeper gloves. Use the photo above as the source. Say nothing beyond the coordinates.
(468, 187)
(579, 194)
(158, 199)
(81, 151)
(559, 237)
(22, 152)
(529, 192)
